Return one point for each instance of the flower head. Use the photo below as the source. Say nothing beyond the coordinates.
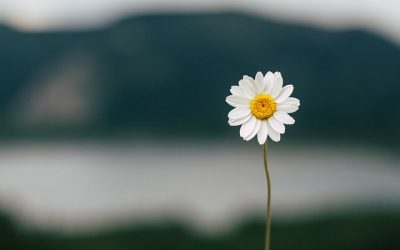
(262, 106)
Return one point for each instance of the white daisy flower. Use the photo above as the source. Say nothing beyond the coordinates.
(262, 106)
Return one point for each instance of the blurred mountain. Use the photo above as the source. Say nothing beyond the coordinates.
(169, 75)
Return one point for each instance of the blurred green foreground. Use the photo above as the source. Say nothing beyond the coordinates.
(373, 231)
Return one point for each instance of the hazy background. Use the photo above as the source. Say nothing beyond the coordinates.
(114, 134)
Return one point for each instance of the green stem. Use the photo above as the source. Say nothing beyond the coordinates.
(268, 212)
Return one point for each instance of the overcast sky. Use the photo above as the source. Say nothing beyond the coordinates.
(382, 16)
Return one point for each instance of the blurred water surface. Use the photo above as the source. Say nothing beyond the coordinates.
(91, 186)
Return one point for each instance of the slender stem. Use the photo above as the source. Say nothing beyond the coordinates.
(268, 212)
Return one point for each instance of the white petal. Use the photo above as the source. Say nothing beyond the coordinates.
(239, 113)
(285, 93)
(237, 101)
(277, 76)
(259, 82)
(268, 82)
(248, 127)
(237, 122)
(293, 100)
(276, 125)
(235, 90)
(251, 82)
(262, 133)
(288, 108)
(255, 131)
(276, 90)
(248, 88)
(283, 117)
(275, 136)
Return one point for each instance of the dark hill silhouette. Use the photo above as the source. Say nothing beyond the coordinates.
(169, 74)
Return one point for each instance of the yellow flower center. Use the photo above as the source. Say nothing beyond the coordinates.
(263, 106)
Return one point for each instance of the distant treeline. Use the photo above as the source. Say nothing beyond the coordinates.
(345, 232)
